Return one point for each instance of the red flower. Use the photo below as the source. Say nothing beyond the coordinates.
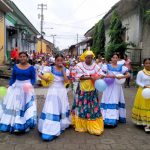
(96, 109)
(88, 115)
(85, 101)
(82, 93)
(80, 103)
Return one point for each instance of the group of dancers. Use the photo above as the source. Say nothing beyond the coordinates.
(18, 109)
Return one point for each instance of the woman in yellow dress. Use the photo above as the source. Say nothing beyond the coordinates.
(141, 108)
(86, 115)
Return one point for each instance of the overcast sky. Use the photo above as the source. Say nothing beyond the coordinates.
(65, 18)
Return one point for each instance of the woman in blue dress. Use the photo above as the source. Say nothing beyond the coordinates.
(55, 117)
(113, 102)
(18, 111)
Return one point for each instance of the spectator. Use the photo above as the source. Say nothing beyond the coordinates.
(128, 65)
(121, 60)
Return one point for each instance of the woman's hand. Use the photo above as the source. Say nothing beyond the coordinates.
(120, 77)
(46, 79)
(40, 76)
(110, 76)
(61, 66)
(97, 77)
(93, 78)
(147, 86)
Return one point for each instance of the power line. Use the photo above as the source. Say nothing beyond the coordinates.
(71, 35)
(66, 25)
(61, 37)
(84, 20)
(72, 26)
(66, 36)
(80, 6)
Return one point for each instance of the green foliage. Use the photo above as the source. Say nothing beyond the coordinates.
(102, 38)
(99, 38)
(95, 37)
(147, 16)
(116, 43)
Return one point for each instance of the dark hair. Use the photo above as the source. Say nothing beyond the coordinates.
(145, 60)
(125, 55)
(25, 53)
(59, 55)
(115, 54)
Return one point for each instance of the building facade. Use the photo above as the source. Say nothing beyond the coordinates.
(44, 46)
(137, 29)
(4, 8)
(20, 32)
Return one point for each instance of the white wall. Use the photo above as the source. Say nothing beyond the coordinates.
(133, 23)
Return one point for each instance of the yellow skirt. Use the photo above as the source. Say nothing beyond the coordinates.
(95, 127)
(141, 109)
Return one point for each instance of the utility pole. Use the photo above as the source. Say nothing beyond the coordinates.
(53, 35)
(41, 16)
(77, 45)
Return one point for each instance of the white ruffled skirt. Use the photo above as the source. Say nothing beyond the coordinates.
(113, 105)
(18, 111)
(55, 117)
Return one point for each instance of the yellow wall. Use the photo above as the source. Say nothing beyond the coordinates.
(39, 46)
(1, 38)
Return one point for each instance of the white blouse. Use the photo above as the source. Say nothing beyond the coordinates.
(83, 69)
(108, 69)
(142, 79)
(58, 76)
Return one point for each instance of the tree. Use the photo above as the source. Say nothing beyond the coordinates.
(147, 16)
(101, 35)
(116, 43)
(95, 37)
(99, 38)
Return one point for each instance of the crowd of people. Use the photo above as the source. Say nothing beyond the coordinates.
(89, 112)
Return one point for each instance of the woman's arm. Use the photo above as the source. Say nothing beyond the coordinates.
(139, 80)
(65, 76)
(85, 77)
(126, 75)
(13, 77)
(33, 76)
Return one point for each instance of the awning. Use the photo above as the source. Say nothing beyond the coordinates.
(9, 20)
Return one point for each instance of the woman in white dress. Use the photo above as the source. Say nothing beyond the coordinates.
(113, 103)
(141, 107)
(18, 111)
(55, 117)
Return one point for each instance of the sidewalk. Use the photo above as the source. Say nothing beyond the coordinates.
(5, 72)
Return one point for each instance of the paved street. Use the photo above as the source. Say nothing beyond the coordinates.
(124, 137)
